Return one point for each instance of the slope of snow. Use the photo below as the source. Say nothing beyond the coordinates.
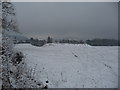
(73, 66)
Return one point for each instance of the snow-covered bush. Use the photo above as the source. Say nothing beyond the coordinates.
(15, 73)
(20, 75)
(7, 53)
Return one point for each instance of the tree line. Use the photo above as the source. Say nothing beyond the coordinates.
(93, 42)
(103, 42)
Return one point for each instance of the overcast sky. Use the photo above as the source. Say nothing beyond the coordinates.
(68, 20)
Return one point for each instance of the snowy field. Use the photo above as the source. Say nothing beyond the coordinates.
(73, 66)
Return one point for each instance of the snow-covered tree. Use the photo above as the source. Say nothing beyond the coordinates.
(14, 71)
(0, 45)
(8, 25)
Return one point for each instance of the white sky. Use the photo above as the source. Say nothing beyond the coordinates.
(68, 20)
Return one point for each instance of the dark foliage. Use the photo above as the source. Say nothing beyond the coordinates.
(18, 57)
(37, 42)
(103, 42)
(72, 41)
(49, 40)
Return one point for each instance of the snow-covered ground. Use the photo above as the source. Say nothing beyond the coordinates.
(73, 66)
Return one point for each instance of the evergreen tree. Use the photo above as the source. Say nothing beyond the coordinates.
(49, 39)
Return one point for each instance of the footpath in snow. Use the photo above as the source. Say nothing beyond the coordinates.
(73, 66)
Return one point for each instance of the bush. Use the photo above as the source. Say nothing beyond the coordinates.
(37, 42)
(17, 58)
